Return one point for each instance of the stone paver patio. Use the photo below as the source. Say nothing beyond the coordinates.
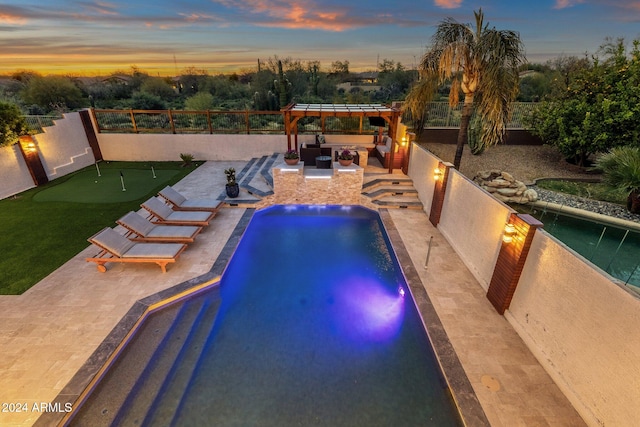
(48, 333)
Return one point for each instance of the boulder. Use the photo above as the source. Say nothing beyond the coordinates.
(504, 187)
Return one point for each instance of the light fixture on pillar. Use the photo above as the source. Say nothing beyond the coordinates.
(31, 147)
(404, 141)
(437, 174)
(509, 233)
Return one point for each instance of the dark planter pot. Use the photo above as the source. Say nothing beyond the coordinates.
(233, 190)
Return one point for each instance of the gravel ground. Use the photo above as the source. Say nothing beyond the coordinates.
(528, 163)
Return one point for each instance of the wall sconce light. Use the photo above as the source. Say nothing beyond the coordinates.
(404, 141)
(509, 233)
(437, 174)
(31, 147)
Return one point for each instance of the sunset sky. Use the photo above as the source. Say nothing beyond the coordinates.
(163, 37)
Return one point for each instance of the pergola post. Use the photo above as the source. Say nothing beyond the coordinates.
(294, 112)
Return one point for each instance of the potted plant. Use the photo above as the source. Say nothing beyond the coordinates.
(291, 157)
(345, 158)
(232, 187)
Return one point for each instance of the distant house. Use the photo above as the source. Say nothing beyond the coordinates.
(121, 79)
(365, 81)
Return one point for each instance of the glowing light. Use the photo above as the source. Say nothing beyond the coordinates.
(401, 291)
(369, 310)
(509, 233)
(437, 174)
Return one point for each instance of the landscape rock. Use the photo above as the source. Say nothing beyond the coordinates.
(504, 187)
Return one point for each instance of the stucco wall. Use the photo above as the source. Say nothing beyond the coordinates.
(64, 147)
(422, 163)
(14, 173)
(470, 211)
(583, 328)
(167, 147)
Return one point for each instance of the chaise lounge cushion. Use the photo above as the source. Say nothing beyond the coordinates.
(180, 202)
(146, 230)
(121, 247)
(165, 214)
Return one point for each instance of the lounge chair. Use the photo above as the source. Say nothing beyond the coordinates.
(163, 214)
(140, 229)
(117, 248)
(181, 203)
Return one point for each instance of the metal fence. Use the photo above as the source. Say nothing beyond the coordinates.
(178, 121)
(438, 114)
(36, 123)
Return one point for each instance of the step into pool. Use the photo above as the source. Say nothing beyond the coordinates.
(312, 323)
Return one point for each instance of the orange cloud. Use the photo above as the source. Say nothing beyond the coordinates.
(448, 4)
(294, 14)
(12, 19)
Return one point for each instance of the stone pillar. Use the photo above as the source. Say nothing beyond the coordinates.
(31, 156)
(441, 176)
(516, 242)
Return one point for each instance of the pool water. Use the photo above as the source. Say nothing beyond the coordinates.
(315, 326)
(613, 249)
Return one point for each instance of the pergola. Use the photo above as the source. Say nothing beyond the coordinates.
(294, 112)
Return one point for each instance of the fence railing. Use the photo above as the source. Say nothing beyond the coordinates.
(438, 114)
(36, 123)
(178, 121)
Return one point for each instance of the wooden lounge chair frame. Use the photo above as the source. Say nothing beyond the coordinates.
(161, 213)
(140, 229)
(180, 203)
(109, 254)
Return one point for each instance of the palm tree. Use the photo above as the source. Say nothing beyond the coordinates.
(621, 170)
(483, 63)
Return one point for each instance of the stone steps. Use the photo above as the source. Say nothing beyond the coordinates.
(383, 189)
(255, 181)
(392, 191)
(148, 379)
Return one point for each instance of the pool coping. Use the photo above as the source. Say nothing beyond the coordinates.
(76, 388)
(86, 378)
(463, 393)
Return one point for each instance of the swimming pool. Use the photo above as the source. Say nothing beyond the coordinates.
(613, 249)
(315, 326)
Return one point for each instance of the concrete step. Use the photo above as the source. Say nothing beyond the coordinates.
(102, 405)
(393, 190)
(399, 202)
(255, 181)
(386, 181)
(175, 384)
(150, 379)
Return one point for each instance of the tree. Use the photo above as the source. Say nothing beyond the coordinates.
(340, 70)
(199, 102)
(483, 63)
(191, 80)
(53, 93)
(394, 81)
(146, 101)
(159, 87)
(12, 124)
(621, 170)
(598, 110)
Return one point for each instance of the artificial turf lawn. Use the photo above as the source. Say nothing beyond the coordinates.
(40, 236)
(87, 187)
